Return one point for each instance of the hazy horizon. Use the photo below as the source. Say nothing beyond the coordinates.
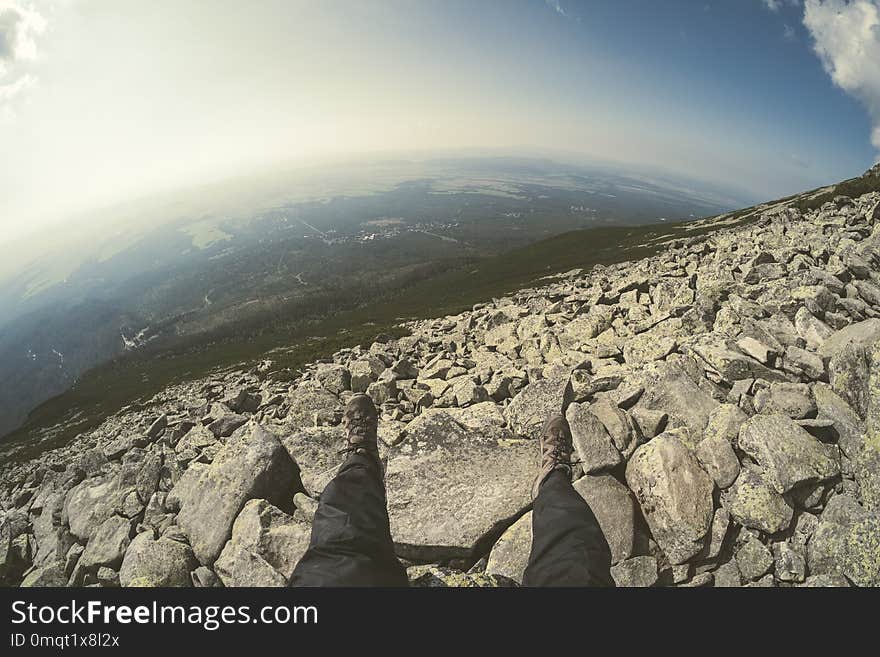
(240, 198)
(261, 188)
(104, 102)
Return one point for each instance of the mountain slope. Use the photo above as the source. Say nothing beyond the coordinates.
(720, 388)
(200, 267)
(313, 332)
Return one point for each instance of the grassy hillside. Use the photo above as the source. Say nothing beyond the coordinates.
(853, 188)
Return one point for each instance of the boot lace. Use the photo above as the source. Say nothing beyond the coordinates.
(358, 428)
(559, 452)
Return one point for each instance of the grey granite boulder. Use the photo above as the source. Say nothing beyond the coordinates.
(846, 542)
(311, 405)
(244, 401)
(793, 400)
(863, 334)
(335, 378)
(615, 509)
(718, 458)
(675, 495)
(226, 424)
(620, 426)
(637, 572)
(528, 411)
(848, 425)
(252, 465)
(592, 444)
(510, 554)
(89, 504)
(673, 391)
(49, 574)
(150, 563)
(724, 422)
(849, 371)
(755, 504)
(107, 544)
(754, 559)
(733, 365)
(787, 453)
(315, 450)
(263, 538)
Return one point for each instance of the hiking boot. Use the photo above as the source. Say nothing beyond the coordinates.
(361, 421)
(556, 448)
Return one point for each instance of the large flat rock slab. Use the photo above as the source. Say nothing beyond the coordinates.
(311, 405)
(529, 410)
(316, 451)
(450, 486)
(615, 510)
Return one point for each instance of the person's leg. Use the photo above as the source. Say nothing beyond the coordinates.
(351, 537)
(568, 546)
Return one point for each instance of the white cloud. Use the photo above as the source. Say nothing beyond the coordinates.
(776, 5)
(20, 25)
(788, 32)
(847, 40)
(13, 91)
(556, 5)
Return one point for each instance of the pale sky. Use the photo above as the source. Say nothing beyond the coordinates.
(102, 101)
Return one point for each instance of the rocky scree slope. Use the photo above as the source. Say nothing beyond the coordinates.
(724, 398)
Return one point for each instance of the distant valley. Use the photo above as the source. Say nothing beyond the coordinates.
(233, 275)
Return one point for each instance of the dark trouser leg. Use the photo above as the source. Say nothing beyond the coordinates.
(351, 538)
(568, 547)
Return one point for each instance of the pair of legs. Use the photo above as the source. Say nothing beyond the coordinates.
(351, 538)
